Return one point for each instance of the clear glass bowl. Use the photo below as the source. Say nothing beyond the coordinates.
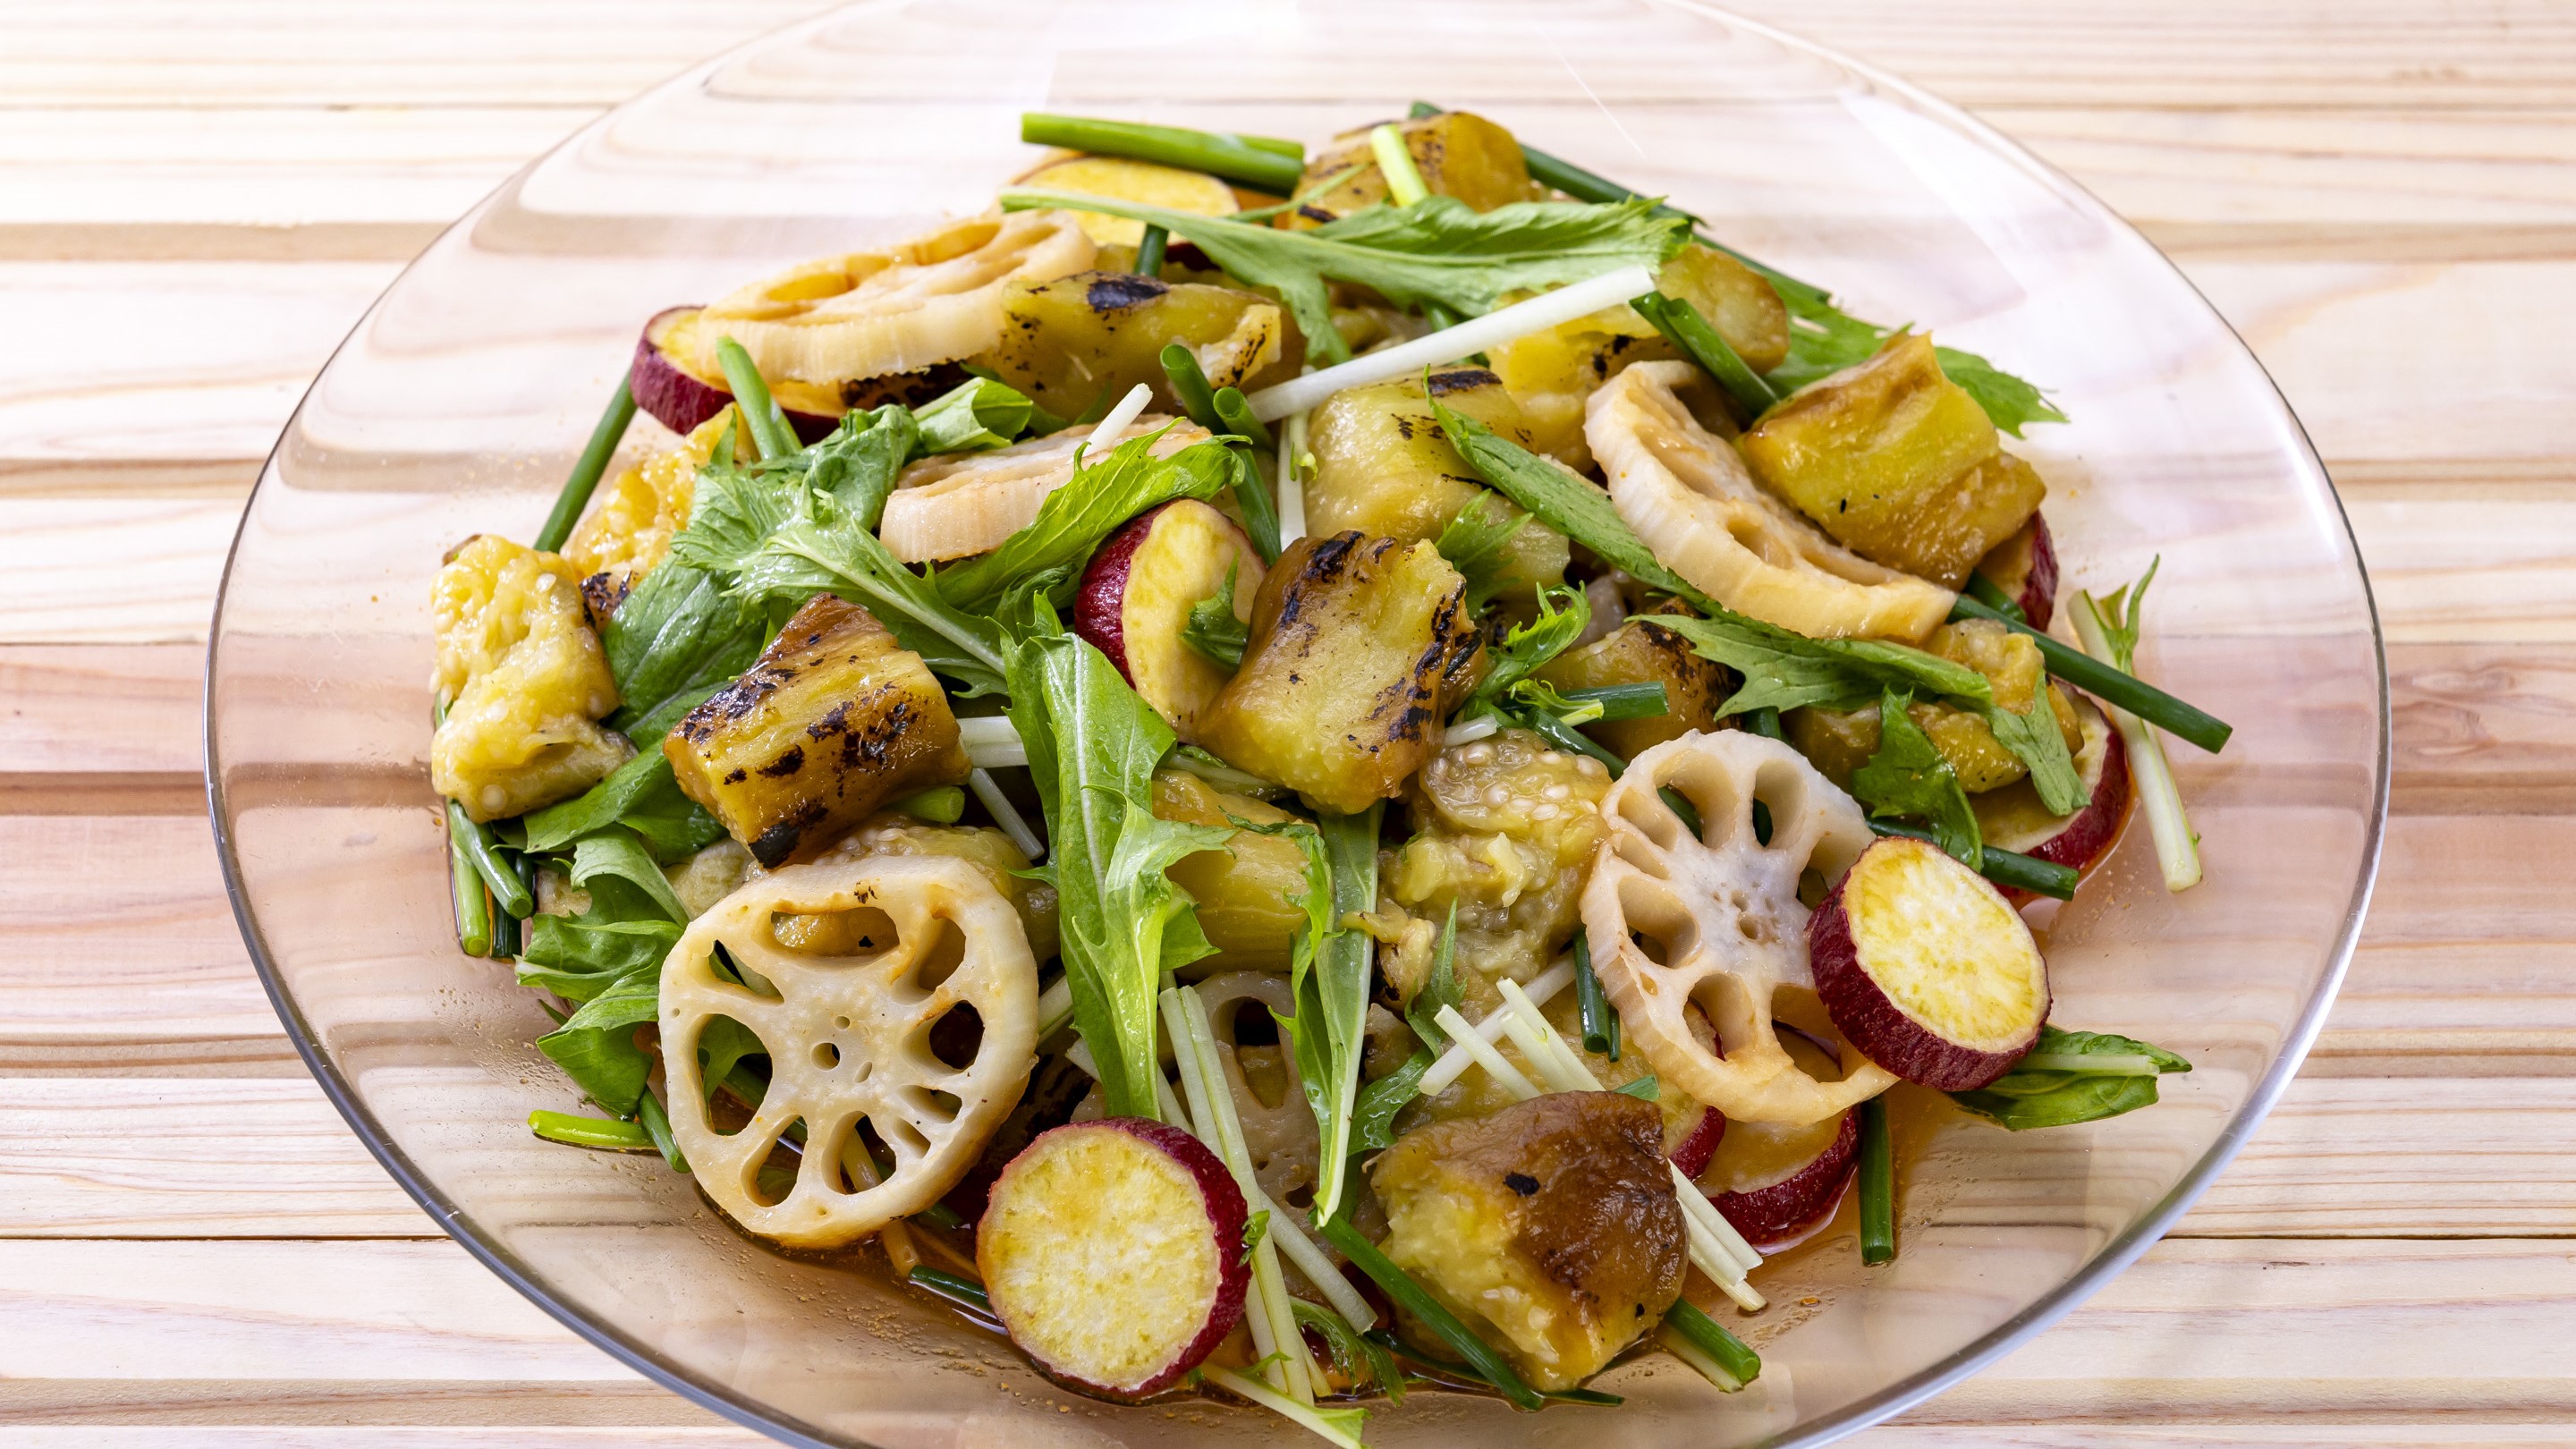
(460, 401)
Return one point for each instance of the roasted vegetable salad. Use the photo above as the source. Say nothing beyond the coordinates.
(1302, 774)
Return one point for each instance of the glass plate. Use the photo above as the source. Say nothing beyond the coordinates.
(461, 399)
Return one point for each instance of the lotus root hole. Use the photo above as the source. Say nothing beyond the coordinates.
(858, 931)
(826, 1055)
(956, 1036)
(775, 1178)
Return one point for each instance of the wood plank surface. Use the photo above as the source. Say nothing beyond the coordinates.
(193, 1250)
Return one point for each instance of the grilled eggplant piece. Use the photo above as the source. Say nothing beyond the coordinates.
(1064, 341)
(1838, 743)
(1459, 153)
(1640, 653)
(834, 720)
(1358, 647)
(1245, 891)
(526, 680)
(1550, 1227)
(1382, 466)
(1897, 463)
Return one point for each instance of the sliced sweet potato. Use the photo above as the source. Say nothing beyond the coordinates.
(1113, 1254)
(1927, 968)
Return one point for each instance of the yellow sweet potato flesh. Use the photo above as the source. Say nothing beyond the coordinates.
(1146, 182)
(1459, 153)
(834, 720)
(1897, 463)
(1549, 1227)
(1945, 947)
(1383, 467)
(1358, 645)
(525, 680)
(1243, 891)
(1065, 341)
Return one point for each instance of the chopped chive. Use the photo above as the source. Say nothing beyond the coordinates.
(1622, 701)
(1571, 740)
(606, 1133)
(1453, 1371)
(465, 889)
(498, 875)
(1264, 163)
(2004, 867)
(770, 434)
(1404, 183)
(1991, 594)
(954, 1287)
(588, 469)
(1190, 387)
(505, 932)
(1682, 810)
(940, 805)
(2110, 685)
(1600, 1022)
(1766, 723)
(941, 1215)
(1235, 411)
(1877, 1185)
(1410, 1296)
(1710, 1337)
(1685, 328)
(1149, 252)
(657, 1125)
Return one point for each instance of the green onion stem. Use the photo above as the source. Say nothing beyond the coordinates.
(588, 469)
(1190, 387)
(1991, 594)
(1600, 1022)
(498, 874)
(1409, 1295)
(1574, 741)
(1264, 163)
(770, 434)
(940, 804)
(1149, 252)
(1404, 183)
(1766, 723)
(1683, 810)
(1710, 1337)
(1877, 1185)
(941, 1215)
(473, 904)
(1685, 328)
(605, 1133)
(657, 1125)
(1235, 411)
(2109, 684)
(505, 934)
(2004, 867)
(955, 1287)
(1623, 701)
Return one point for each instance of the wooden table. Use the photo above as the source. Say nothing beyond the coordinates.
(196, 200)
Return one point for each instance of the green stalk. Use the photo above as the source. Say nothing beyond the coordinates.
(1149, 252)
(1264, 163)
(941, 1215)
(1766, 723)
(1190, 387)
(1409, 1296)
(505, 935)
(588, 470)
(1571, 740)
(1622, 701)
(1991, 594)
(465, 889)
(770, 435)
(1683, 810)
(1682, 326)
(1711, 1338)
(1235, 411)
(2004, 867)
(956, 1289)
(499, 875)
(1404, 184)
(605, 1133)
(1600, 1022)
(940, 805)
(2110, 685)
(1877, 1185)
(657, 1125)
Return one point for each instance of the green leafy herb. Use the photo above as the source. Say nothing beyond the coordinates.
(1563, 613)
(2119, 611)
(1619, 701)
(1644, 1089)
(939, 805)
(857, 465)
(2034, 739)
(1824, 339)
(723, 1044)
(1092, 746)
(1784, 670)
(1436, 251)
(1329, 972)
(641, 795)
(1560, 500)
(1255, 1228)
(2112, 686)
(1477, 543)
(976, 416)
(1361, 1362)
(1908, 777)
(2073, 1076)
(676, 640)
(1373, 1116)
(595, 1046)
(762, 417)
(1685, 328)
(578, 957)
(2003, 867)
(1075, 518)
(619, 853)
(1213, 629)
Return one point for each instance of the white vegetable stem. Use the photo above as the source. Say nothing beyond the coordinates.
(1328, 1424)
(1496, 1065)
(2177, 849)
(1709, 1368)
(1469, 732)
(1454, 1062)
(1055, 1006)
(1115, 421)
(990, 742)
(1292, 480)
(1006, 814)
(1548, 309)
